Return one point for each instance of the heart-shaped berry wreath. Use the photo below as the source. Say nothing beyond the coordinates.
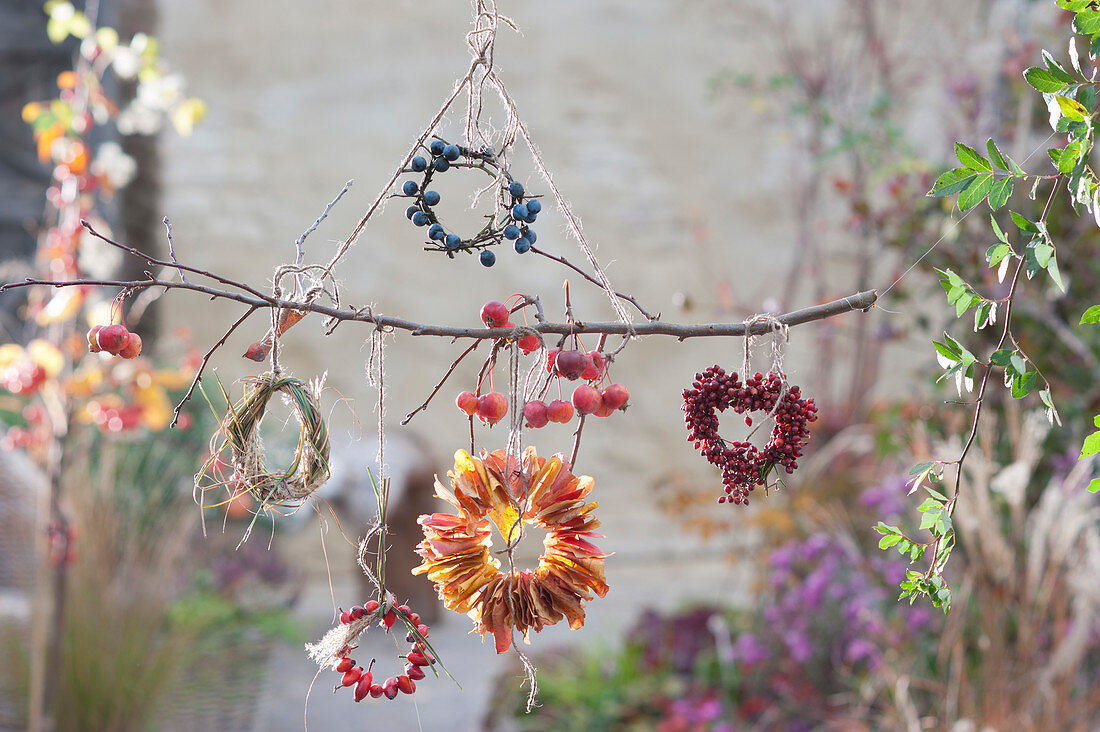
(456, 548)
(335, 649)
(743, 465)
(516, 208)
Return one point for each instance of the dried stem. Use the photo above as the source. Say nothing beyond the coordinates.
(206, 360)
(454, 365)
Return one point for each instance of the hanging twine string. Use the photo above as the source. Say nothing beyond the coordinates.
(780, 336)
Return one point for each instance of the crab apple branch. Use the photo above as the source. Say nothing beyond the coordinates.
(857, 301)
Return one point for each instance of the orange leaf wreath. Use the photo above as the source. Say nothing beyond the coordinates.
(456, 547)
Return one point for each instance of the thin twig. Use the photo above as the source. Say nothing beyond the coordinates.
(442, 381)
(205, 360)
(630, 299)
(171, 246)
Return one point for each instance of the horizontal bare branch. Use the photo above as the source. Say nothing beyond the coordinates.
(857, 301)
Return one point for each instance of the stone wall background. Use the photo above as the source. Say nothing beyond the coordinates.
(686, 195)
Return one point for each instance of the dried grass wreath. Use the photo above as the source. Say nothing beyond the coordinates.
(239, 431)
(456, 547)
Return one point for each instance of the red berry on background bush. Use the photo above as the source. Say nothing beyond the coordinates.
(586, 399)
(492, 407)
(616, 395)
(132, 349)
(571, 364)
(536, 414)
(467, 402)
(113, 338)
(494, 314)
(559, 411)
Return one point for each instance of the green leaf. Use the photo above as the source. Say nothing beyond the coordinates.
(1001, 236)
(1023, 223)
(884, 528)
(1094, 485)
(996, 253)
(972, 159)
(999, 193)
(1057, 69)
(1071, 108)
(1092, 315)
(1091, 446)
(1071, 155)
(929, 519)
(1018, 364)
(1043, 253)
(921, 467)
(975, 192)
(936, 495)
(1073, 5)
(1055, 274)
(995, 155)
(1023, 384)
(1001, 357)
(951, 354)
(888, 541)
(1087, 22)
(1044, 81)
(951, 182)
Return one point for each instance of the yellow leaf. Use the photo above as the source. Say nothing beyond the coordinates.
(46, 355)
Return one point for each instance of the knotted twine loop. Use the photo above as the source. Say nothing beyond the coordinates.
(780, 336)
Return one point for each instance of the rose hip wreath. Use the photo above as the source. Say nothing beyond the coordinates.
(456, 547)
(336, 647)
(516, 208)
(743, 465)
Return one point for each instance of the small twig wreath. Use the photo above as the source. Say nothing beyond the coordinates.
(239, 430)
(516, 209)
(743, 465)
(456, 547)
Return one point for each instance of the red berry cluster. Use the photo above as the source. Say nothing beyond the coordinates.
(743, 465)
(588, 366)
(417, 658)
(114, 339)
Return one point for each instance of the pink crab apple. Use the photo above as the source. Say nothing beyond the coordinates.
(494, 314)
(536, 414)
(587, 399)
(595, 368)
(616, 396)
(571, 364)
(467, 402)
(559, 411)
(112, 338)
(528, 343)
(492, 407)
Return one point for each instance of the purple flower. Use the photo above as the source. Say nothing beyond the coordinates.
(859, 650)
(886, 499)
(749, 650)
(783, 556)
(799, 646)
